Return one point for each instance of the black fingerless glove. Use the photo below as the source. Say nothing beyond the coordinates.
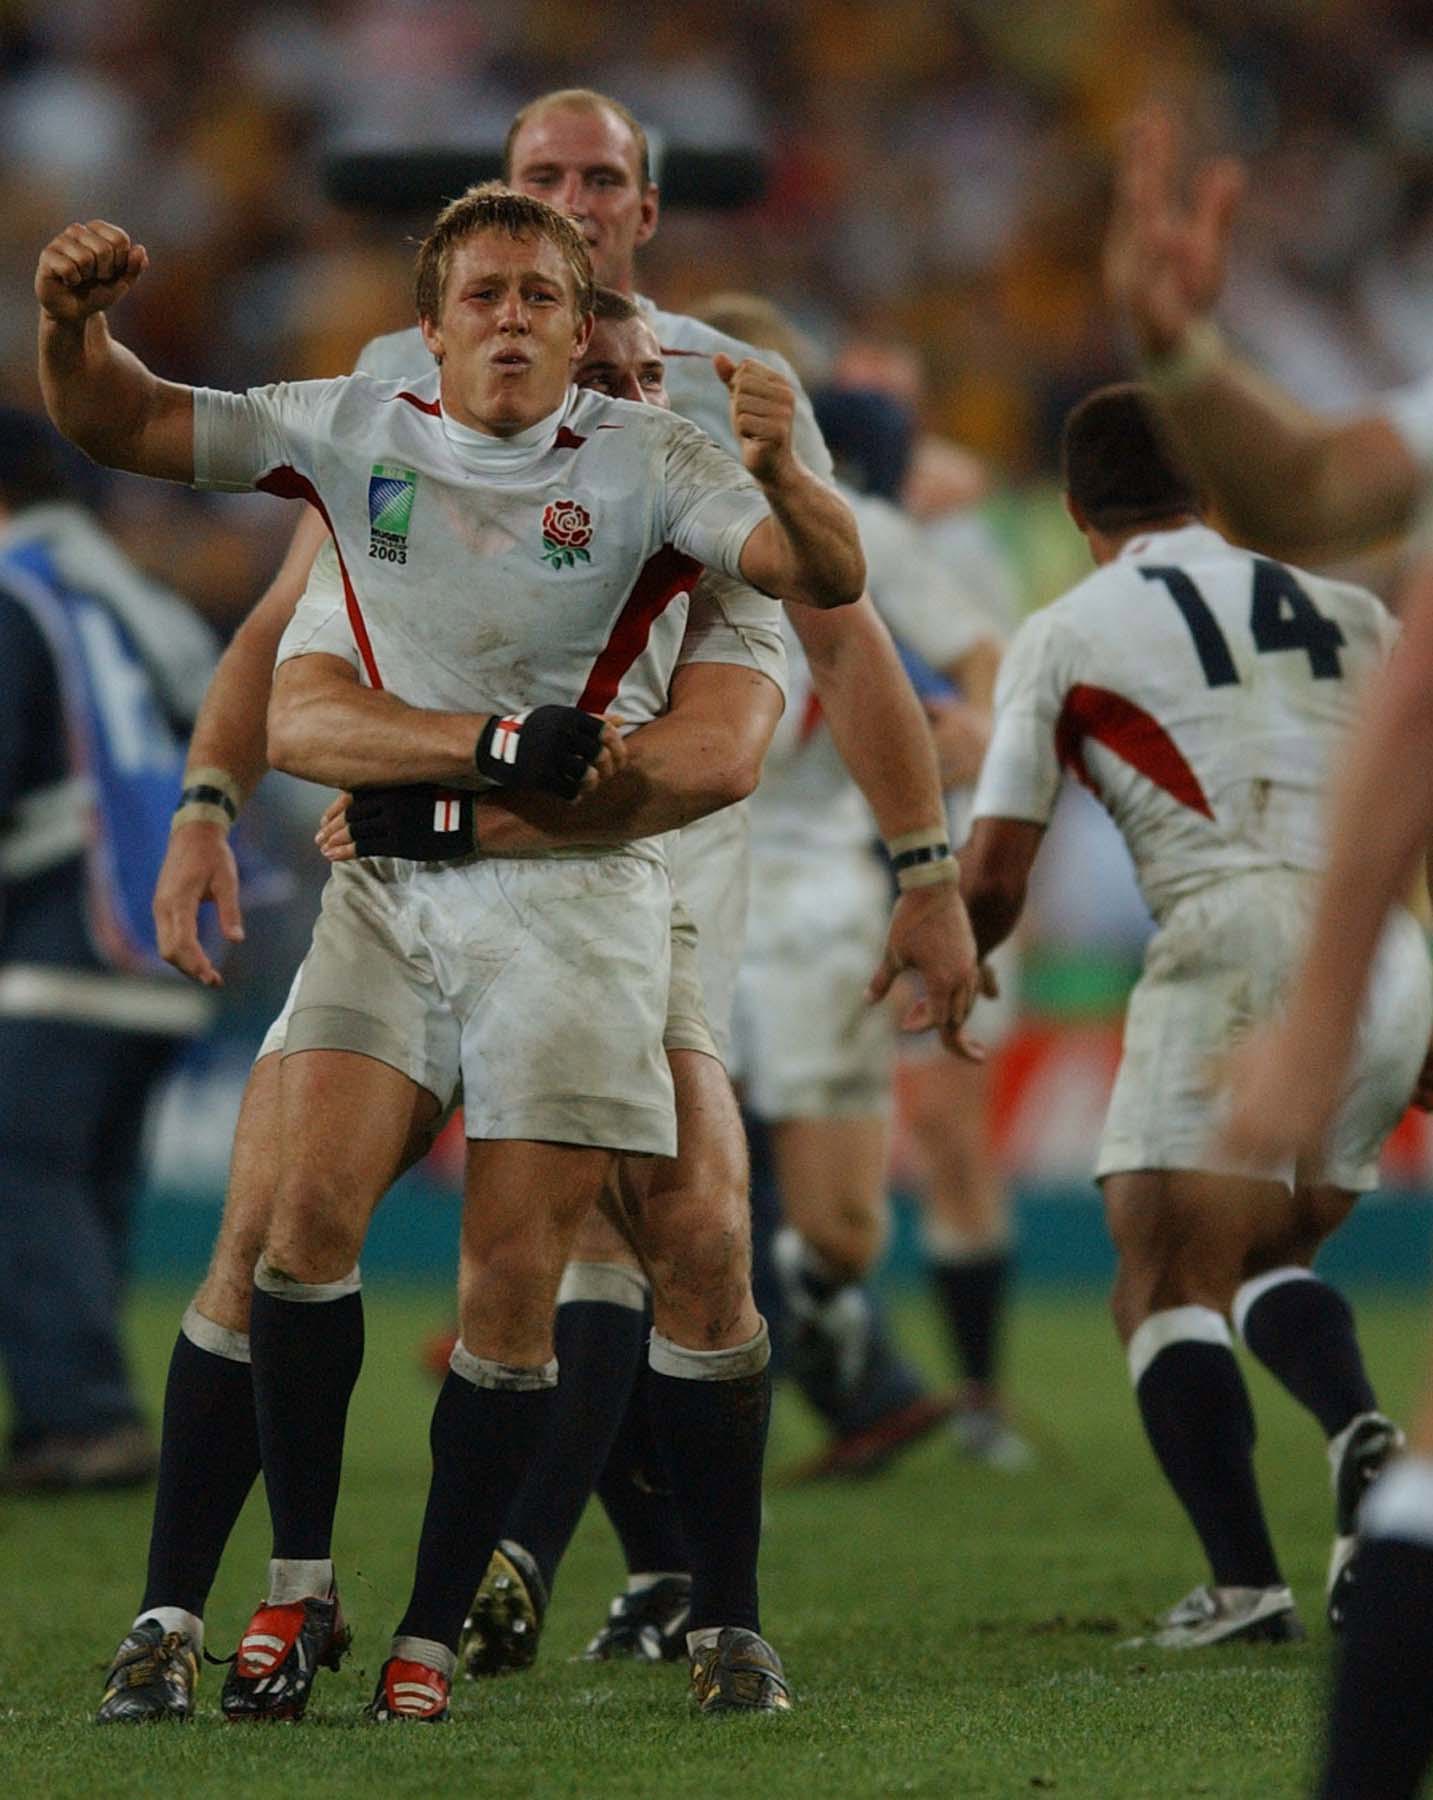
(549, 748)
(424, 824)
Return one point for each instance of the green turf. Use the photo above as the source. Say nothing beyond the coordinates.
(948, 1631)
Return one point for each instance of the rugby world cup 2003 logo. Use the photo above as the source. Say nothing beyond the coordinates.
(566, 533)
(390, 506)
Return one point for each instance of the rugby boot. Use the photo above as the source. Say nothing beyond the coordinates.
(983, 1434)
(282, 1650)
(409, 1693)
(1358, 1455)
(740, 1672)
(1225, 1615)
(648, 1626)
(839, 1353)
(502, 1629)
(152, 1677)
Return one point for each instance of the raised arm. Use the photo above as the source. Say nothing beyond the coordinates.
(100, 395)
(1286, 481)
(704, 753)
(809, 549)
(880, 730)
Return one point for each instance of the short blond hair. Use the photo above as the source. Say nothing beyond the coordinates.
(581, 100)
(493, 207)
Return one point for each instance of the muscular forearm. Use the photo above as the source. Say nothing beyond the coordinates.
(663, 785)
(1287, 482)
(822, 541)
(100, 395)
(688, 763)
(324, 727)
(876, 720)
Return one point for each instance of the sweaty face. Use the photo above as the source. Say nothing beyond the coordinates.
(585, 163)
(507, 332)
(624, 359)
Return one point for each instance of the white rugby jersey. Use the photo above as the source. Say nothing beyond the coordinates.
(807, 803)
(693, 386)
(727, 622)
(489, 574)
(730, 622)
(1200, 692)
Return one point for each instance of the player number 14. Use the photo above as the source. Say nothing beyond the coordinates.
(1281, 617)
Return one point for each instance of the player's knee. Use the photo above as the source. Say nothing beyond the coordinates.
(702, 1260)
(506, 1305)
(224, 1294)
(312, 1236)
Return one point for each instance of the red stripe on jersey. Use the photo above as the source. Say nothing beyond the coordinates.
(1133, 735)
(428, 406)
(665, 574)
(567, 439)
(288, 484)
(667, 350)
(810, 718)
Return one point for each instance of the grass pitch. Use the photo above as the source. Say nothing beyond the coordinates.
(948, 1630)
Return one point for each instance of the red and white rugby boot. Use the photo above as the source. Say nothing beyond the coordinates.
(282, 1650)
(410, 1692)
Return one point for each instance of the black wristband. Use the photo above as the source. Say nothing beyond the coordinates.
(204, 795)
(912, 859)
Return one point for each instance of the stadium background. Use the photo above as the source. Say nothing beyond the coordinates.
(937, 178)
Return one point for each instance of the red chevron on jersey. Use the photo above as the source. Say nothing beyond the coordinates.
(1133, 735)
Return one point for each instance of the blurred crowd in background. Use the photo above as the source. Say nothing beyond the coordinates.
(938, 179)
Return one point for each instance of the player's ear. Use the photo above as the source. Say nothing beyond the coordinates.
(1076, 512)
(433, 338)
(651, 207)
(582, 337)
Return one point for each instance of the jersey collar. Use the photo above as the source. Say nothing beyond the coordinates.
(1167, 543)
(479, 450)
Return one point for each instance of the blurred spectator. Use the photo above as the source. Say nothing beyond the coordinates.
(100, 674)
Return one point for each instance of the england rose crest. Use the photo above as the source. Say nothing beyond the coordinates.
(566, 533)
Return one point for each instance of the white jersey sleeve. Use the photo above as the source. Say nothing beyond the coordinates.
(730, 622)
(1410, 411)
(240, 438)
(1020, 777)
(320, 624)
(712, 504)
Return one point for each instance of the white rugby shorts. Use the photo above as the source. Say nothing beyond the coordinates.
(686, 1028)
(711, 874)
(539, 984)
(807, 1045)
(1216, 967)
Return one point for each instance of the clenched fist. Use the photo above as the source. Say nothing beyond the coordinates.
(763, 411)
(86, 269)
